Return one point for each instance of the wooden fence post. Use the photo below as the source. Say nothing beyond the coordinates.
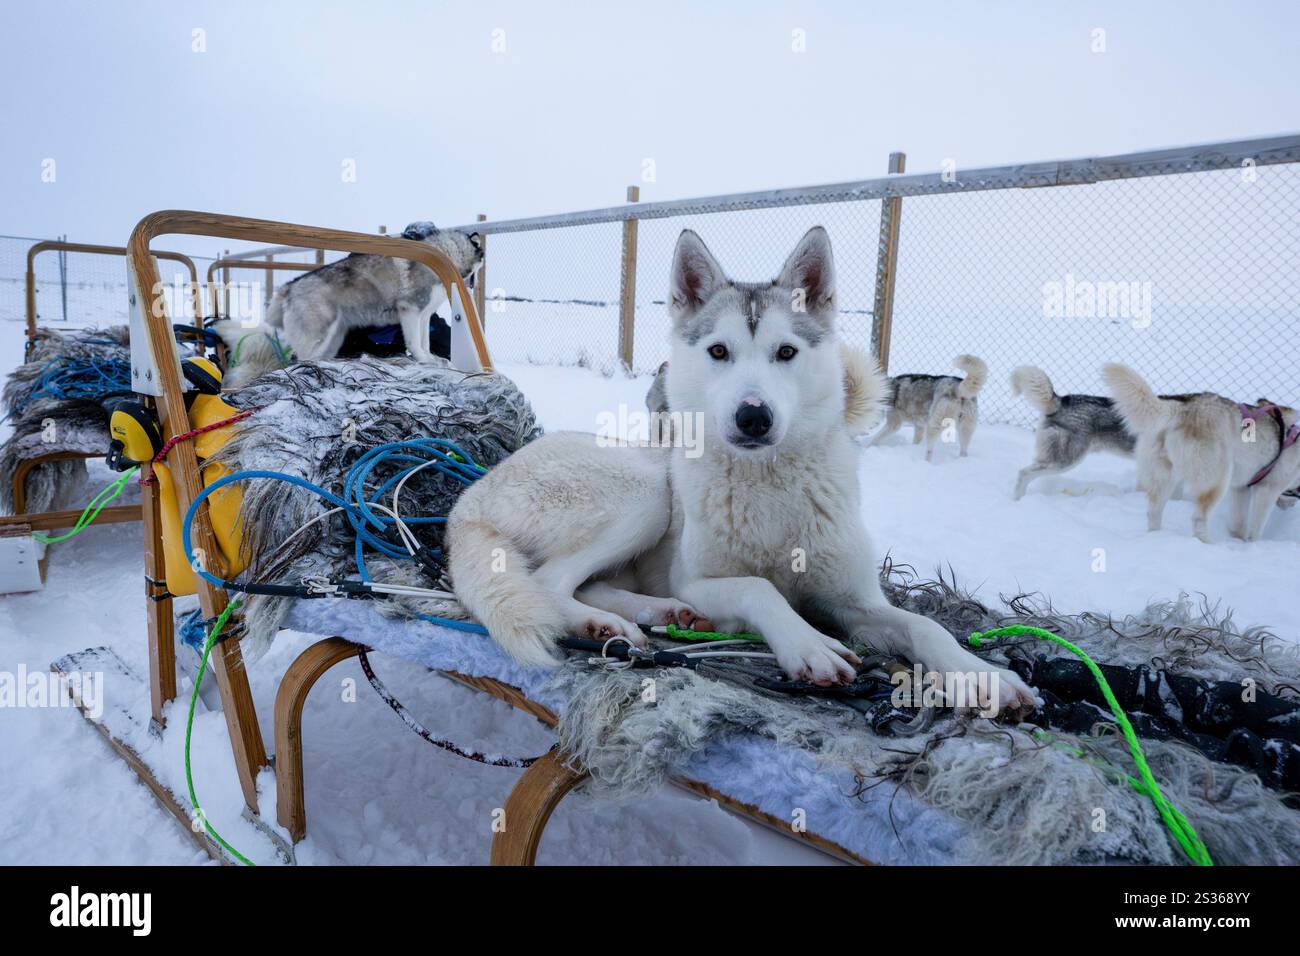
(270, 279)
(480, 280)
(627, 292)
(882, 319)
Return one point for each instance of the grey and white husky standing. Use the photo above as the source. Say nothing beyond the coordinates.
(311, 315)
(932, 403)
(760, 530)
(1072, 426)
(1203, 441)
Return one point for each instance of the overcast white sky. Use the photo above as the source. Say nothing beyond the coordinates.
(441, 126)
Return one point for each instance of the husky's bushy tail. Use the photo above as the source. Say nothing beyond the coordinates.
(494, 584)
(976, 372)
(250, 350)
(1142, 408)
(865, 390)
(1033, 384)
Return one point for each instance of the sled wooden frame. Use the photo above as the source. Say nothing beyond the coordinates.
(530, 803)
(61, 246)
(227, 661)
(58, 520)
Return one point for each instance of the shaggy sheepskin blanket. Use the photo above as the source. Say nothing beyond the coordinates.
(1029, 794)
(47, 425)
(314, 420)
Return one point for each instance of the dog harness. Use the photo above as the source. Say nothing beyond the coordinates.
(1287, 436)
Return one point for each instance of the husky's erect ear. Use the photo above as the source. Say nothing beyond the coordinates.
(695, 276)
(810, 271)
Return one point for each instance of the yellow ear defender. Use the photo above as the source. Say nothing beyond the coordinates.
(136, 434)
(137, 438)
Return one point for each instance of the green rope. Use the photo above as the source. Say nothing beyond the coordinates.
(686, 634)
(92, 510)
(217, 625)
(1174, 820)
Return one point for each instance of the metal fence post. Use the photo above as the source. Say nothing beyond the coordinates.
(480, 280)
(627, 291)
(882, 313)
(225, 285)
(270, 279)
(63, 277)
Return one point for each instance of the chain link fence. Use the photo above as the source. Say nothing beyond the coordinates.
(1184, 263)
(1191, 278)
(552, 296)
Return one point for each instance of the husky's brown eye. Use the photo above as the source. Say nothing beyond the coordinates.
(786, 352)
(718, 352)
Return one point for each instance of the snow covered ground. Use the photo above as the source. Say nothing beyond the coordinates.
(378, 794)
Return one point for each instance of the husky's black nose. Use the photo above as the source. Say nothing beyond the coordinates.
(754, 419)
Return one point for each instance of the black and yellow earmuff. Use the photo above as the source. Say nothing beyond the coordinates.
(136, 433)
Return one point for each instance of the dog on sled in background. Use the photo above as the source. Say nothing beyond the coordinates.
(933, 404)
(1072, 427)
(1214, 446)
(309, 317)
(572, 535)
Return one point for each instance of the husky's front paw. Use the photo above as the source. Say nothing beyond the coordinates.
(996, 690)
(972, 684)
(660, 611)
(816, 658)
(602, 626)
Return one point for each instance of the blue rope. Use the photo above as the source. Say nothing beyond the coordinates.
(87, 378)
(368, 526)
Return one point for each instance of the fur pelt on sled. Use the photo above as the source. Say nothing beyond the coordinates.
(1025, 794)
(49, 425)
(315, 420)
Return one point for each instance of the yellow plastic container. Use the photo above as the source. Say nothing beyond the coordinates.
(223, 505)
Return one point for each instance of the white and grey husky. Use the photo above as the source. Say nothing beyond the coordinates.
(310, 316)
(760, 530)
(1214, 446)
(1071, 428)
(934, 404)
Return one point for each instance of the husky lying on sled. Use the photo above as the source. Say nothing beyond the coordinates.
(760, 530)
(309, 317)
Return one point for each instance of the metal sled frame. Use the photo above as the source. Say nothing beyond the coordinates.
(542, 786)
(20, 520)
